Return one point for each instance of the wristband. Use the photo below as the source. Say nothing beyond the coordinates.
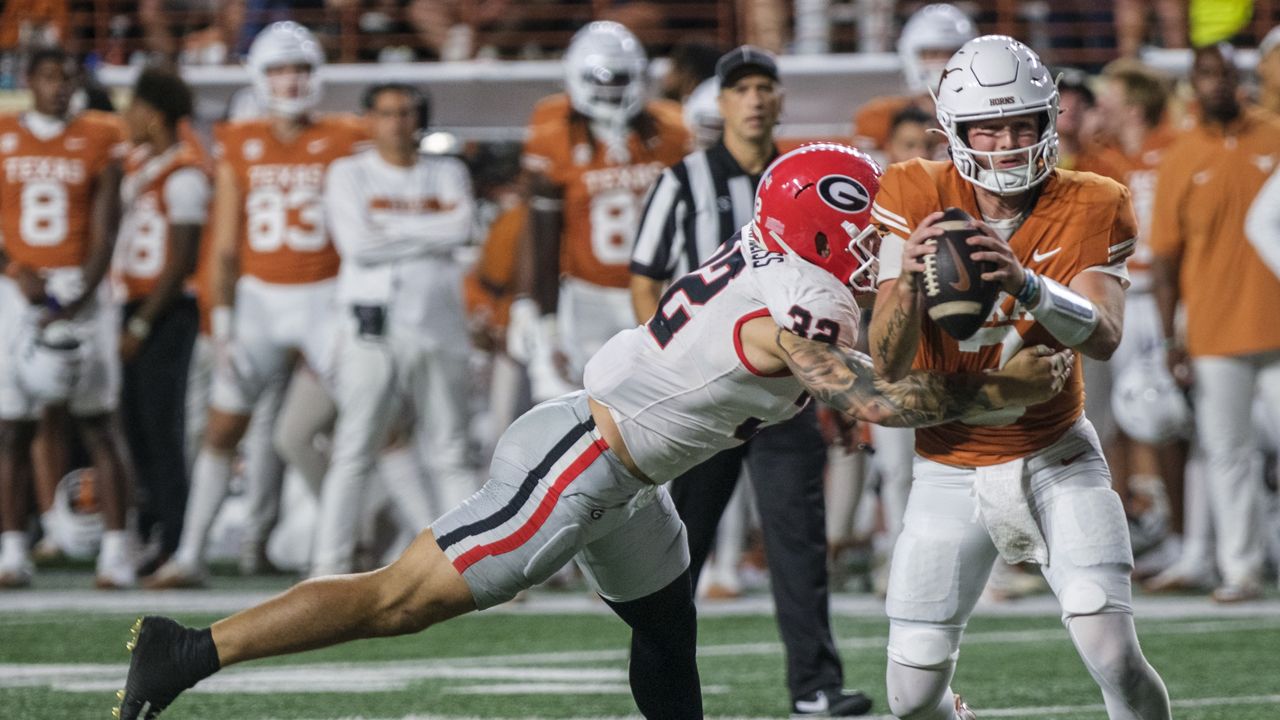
(1030, 293)
(138, 327)
(220, 322)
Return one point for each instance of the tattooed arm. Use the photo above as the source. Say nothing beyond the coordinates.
(895, 324)
(846, 380)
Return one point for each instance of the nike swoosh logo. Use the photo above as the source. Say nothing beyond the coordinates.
(813, 706)
(961, 285)
(1073, 458)
(1041, 257)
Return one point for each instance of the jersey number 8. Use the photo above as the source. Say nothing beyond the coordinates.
(44, 213)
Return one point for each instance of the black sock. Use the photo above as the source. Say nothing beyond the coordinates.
(664, 645)
(203, 653)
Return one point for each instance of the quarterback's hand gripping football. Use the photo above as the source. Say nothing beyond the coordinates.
(996, 250)
(914, 250)
(1035, 374)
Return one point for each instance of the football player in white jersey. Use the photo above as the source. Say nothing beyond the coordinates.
(739, 343)
(396, 217)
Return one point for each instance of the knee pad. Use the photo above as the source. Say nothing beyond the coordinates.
(917, 645)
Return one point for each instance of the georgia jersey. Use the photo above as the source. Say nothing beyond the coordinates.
(283, 238)
(46, 193)
(150, 203)
(603, 199)
(1138, 173)
(1080, 221)
(681, 388)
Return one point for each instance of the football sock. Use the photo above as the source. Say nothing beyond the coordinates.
(1131, 688)
(664, 639)
(920, 693)
(209, 483)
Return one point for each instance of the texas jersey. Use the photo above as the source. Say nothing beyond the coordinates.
(46, 192)
(283, 238)
(603, 197)
(873, 123)
(156, 190)
(681, 388)
(1138, 173)
(1079, 221)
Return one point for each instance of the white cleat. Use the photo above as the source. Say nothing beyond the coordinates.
(963, 711)
(16, 575)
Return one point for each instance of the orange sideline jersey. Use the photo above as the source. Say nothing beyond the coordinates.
(1138, 173)
(46, 192)
(488, 289)
(873, 123)
(143, 246)
(1081, 220)
(1204, 190)
(602, 199)
(283, 238)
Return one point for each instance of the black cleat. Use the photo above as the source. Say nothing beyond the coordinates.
(167, 658)
(831, 703)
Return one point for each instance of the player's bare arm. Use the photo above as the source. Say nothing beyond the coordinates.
(895, 322)
(29, 282)
(846, 380)
(180, 263)
(227, 204)
(1164, 272)
(103, 225)
(645, 293)
(1087, 314)
(545, 220)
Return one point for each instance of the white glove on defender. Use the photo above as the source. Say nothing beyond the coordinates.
(532, 340)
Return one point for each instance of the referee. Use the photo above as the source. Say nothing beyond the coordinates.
(695, 206)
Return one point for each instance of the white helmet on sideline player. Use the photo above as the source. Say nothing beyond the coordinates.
(990, 77)
(939, 27)
(605, 72)
(282, 44)
(75, 520)
(48, 361)
(1148, 405)
(702, 113)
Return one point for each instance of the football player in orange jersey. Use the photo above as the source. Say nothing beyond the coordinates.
(928, 38)
(59, 205)
(590, 159)
(1028, 484)
(166, 194)
(273, 277)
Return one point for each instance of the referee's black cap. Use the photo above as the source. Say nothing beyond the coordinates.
(743, 61)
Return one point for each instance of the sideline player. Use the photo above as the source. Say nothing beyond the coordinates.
(273, 276)
(165, 193)
(396, 217)
(928, 39)
(59, 211)
(590, 161)
(766, 321)
(1027, 483)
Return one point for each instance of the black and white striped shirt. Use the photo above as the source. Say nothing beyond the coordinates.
(696, 205)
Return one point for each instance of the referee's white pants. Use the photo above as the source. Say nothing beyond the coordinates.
(377, 383)
(1225, 388)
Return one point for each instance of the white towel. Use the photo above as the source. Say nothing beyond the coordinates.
(1005, 510)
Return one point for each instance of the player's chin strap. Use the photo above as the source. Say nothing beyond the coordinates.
(1066, 314)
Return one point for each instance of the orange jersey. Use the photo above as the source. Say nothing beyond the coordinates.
(1138, 173)
(142, 249)
(488, 289)
(46, 192)
(1204, 190)
(1081, 220)
(603, 199)
(873, 123)
(283, 238)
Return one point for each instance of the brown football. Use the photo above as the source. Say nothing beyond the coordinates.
(955, 295)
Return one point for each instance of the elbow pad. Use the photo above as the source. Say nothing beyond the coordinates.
(1066, 314)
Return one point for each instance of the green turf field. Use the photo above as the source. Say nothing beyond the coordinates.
(66, 664)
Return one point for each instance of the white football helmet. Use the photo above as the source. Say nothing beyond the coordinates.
(933, 27)
(279, 44)
(605, 72)
(75, 521)
(990, 77)
(702, 113)
(48, 361)
(1148, 405)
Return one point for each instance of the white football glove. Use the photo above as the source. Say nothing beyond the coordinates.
(522, 329)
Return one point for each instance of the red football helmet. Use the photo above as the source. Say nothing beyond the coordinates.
(815, 202)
